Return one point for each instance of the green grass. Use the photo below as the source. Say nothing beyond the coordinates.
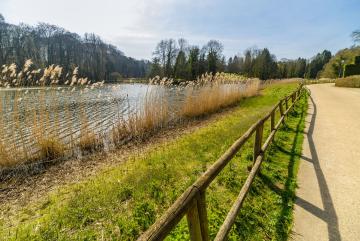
(122, 202)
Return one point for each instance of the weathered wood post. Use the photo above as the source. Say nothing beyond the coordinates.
(258, 140)
(204, 225)
(281, 107)
(272, 120)
(194, 222)
(286, 102)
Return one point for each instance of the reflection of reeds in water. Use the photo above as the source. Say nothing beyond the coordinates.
(48, 129)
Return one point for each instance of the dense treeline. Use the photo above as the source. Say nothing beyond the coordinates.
(317, 63)
(180, 60)
(48, 44)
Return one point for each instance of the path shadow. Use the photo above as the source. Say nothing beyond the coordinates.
(286, 191)
(328, 214)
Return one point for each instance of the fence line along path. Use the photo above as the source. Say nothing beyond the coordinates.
(192, 202)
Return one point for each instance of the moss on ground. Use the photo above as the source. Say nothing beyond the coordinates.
(122, 202)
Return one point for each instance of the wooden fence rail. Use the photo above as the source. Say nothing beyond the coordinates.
(192, 202)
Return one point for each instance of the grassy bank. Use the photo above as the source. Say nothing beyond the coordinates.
(351, 82)
(122, 202)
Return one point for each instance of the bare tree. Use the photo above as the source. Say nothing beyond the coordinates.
(48, 44)
(356, 36)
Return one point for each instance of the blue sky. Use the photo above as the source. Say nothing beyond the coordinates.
(289, 28)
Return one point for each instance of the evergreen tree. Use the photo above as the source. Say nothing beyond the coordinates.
(300, 68)
(248, 63)
(193, 64)
(203, 66)
(235, 65)
(265, 65)
(180, 70)
(156, 69)
(214, 55)
(317, 63)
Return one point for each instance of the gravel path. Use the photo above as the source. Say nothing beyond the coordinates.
(328, 198)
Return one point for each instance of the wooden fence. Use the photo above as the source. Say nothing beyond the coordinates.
(192, 202)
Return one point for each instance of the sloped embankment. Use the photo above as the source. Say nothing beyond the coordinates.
(123, 201)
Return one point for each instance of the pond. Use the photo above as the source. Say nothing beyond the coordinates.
(65, 109)
(112, 113)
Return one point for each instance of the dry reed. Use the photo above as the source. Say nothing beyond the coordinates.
(52, 126)
(36, 132)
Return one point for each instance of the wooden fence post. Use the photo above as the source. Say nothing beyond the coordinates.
(258, 140)
(204, 226)
(193, 201)
(194, 222)
(272, 120)
(281, 107)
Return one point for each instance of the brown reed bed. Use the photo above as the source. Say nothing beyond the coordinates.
(211, 98)
(38, 121)
(54, 131)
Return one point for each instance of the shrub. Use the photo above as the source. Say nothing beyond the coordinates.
(115, 76)
(351, 81)
(351, 69)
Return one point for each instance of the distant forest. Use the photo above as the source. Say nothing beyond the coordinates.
(48, 44)
(180, 60)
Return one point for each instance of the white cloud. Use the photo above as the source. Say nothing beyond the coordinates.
(135, 26)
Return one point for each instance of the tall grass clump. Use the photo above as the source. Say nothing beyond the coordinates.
(89, 141)
(50, 148)
(153, 114)
(32, 123)
(213, 93)
(350, 81)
